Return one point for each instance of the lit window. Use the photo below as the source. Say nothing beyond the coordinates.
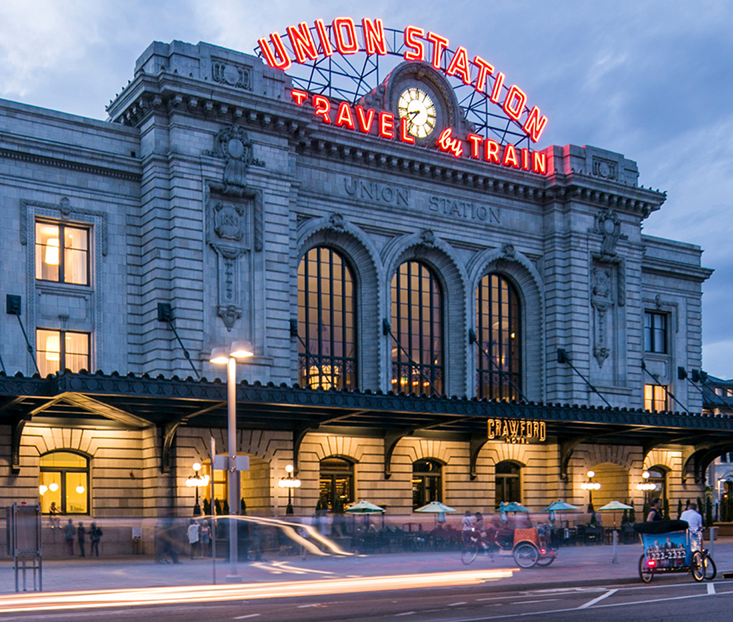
(655, 332)
(427, 482)
(64, 481)
(498, 330)
(326, 321)
(62, 253)
(61, 349)
(507, 482)
(655, 397)
(336, 484)
(417, 356)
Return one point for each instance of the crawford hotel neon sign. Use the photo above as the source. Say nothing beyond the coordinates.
(304, 44)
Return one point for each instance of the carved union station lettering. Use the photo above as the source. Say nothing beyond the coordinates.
(376, 192)
(463, 209)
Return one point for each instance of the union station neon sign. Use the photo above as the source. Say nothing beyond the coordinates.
(313, 44)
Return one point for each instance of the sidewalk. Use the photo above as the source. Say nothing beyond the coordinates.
(574, 566)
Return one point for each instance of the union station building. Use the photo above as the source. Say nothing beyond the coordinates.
(439, 308)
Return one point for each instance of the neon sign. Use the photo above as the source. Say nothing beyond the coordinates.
(517, 431)
(310, 45)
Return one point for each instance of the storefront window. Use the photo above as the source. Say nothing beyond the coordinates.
(508, 486)
(417, 355)
(498, 330)
(61, 349)
(64, 480)
(336, 483)
(326, 321)
(62, 253)
(427, 482)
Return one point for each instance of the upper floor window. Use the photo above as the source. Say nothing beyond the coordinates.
(655, 397)
(498, 330)
(61, 349)
(62, 253)
(655, 332)
(64, 481)
(326, 321)
(417, 326)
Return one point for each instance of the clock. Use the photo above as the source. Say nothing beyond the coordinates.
(416, 105)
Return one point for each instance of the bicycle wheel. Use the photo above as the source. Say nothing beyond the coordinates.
(526, 555)
(710, 568)
(545, 561)
(697, 566)
(469, 553)
(646, 573)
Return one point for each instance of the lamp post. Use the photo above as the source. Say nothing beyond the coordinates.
(228, 357)
(590, 486)
(197, 481)
(289, 482)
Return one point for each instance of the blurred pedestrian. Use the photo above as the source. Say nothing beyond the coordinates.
(205, 538)
(54, 512)
(467, 524)
(81, 538)
(95, 535)
(69, 535)
(164, 542)
(193, 537)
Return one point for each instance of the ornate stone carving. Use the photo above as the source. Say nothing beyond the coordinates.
(337, 221)
(228, 221)
(608, 225)
(233, 145)
(229, 314)
(427, 236)
(608, 169)
(231, 74)
(508, 251)
(602, 302)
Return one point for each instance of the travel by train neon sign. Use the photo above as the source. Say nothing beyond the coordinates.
(311, 45)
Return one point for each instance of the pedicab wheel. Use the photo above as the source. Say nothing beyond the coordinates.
(646, 573)
(469, 553)
(710, 569)
(697, 566)
(526, 555)
(545, 561)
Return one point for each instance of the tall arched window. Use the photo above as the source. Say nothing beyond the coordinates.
(65, 481)
(498, 363)
(336, 483)
(326, 321)
(417, 348)
(427, 482)
(508, 484)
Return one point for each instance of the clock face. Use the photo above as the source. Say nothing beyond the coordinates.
(418, 108)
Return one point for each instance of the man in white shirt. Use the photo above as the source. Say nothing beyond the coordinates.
(693, 518)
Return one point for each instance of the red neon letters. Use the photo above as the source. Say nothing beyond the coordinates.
(343, 38)
(383, 124)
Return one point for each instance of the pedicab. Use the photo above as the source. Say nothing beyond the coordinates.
(530, 546)
(670, 546)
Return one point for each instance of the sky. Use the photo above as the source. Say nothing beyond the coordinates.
(652, 80)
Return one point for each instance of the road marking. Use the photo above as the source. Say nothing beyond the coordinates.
(251, 615)
(313, 605)
(532, 602)
(457, 604)
(407, 613)
(597, 599)
(711, 588)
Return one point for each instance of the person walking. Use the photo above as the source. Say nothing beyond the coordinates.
(693, 518)
(69, 535)
(81, 538)
(654, 511)
(54, 512)
(95, 535)
(193, 537)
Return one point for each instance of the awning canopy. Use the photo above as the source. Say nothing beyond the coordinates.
(72, 399)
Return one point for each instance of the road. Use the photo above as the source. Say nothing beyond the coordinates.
(667, 599)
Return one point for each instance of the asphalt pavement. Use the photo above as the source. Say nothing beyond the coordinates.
(575, 566)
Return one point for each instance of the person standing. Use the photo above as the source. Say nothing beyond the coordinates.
(205, 538)
(69, 535)
(54, 512)
(655, 513)
(81, 538)
(693, 518)
(193, 537)
(95, 535)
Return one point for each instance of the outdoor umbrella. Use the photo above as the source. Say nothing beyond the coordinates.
(615, 506)
(437, 508)
(559, 506)
(515, 507)
(366, 508)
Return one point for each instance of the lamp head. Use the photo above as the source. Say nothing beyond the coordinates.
(241, 350)
(219, 356)
(591, 474)
(196, 466)
(645, 474)
(289, 468)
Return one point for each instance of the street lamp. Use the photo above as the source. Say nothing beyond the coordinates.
(228, 357)
(197, 481)
(289, 482)
(590, 486)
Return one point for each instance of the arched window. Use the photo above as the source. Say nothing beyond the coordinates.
(658, 477)
(508, 484)
(65, 481)
(427, 484)
(326, 321)
(336, 484)
(417, 327)
(498, 364)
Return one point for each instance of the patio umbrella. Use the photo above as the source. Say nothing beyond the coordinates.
(515, 507)
(437, 508)
(559, 506)
(615, 506)
(364, 507)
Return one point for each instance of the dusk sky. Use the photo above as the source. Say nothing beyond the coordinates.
(651, 80)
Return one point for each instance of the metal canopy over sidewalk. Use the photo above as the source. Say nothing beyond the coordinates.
(73, 399)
